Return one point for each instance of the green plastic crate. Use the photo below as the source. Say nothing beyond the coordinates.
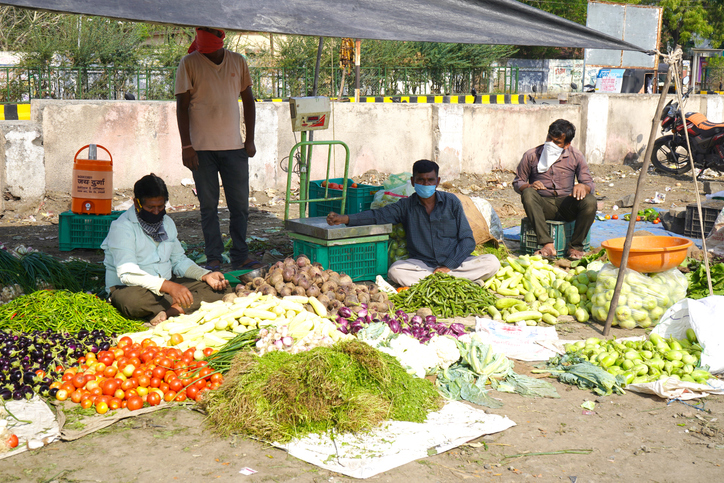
(83, 231)
(560, 231)
(361, 258)
(359, 199)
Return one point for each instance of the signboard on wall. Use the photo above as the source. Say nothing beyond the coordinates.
(640, 25)
(609, 80)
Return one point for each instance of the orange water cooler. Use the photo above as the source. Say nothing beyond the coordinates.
(92, 182)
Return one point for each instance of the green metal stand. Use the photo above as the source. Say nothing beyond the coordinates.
(305, 150)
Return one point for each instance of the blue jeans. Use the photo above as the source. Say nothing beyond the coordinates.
(233, 166)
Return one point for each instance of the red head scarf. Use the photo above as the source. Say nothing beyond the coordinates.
(206, 42)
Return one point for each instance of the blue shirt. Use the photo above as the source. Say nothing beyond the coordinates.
(441, 239)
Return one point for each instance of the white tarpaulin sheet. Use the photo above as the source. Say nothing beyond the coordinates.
(519, 342)
(397, 442)
(42, 429)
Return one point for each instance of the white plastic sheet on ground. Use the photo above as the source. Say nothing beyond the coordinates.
(397, 442)
(43, 428)
(673, 389)
(518, 342)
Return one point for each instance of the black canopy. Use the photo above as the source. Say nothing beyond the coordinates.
(456, 21)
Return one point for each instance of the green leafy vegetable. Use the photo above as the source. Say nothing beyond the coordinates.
(588, 258)
(570, 369)
(698, 285)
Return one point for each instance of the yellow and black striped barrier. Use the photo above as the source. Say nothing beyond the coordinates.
(469, 99)
(711, 92)
(14, 112)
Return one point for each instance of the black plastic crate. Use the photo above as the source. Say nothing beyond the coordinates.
(710, 209)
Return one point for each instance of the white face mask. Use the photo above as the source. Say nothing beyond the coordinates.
(550, 155)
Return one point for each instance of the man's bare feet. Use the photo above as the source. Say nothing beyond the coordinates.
(548, 251)
(160, 317)
(574, 254)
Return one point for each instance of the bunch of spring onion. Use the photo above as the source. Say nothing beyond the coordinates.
(29, 361)
(351, 320)
(278, 339)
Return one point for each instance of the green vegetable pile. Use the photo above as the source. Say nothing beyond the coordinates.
(36, 270)
(649, 214)
(222, 359)
(63, 311)
(446, 296)
(572, 369)
(645, 361)
(348, 387)
(698, 285)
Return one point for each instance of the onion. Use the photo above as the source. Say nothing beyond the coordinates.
(287, 341)
(279, 344)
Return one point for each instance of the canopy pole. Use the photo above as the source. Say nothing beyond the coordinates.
(637, 197)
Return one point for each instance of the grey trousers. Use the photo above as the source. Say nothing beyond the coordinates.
(140, 303)
(410, 271)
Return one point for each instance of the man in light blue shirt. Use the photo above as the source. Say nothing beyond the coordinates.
(148, 276)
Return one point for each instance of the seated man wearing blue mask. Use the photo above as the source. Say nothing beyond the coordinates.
(147, 274)
(439, 237)
(546, 180)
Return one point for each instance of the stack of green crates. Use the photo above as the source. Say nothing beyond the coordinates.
(560, 231)
(361, 258)
(358, 200)
(83, 231)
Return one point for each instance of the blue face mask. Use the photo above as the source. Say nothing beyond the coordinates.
(425, 191)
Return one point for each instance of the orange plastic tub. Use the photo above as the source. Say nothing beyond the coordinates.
(649, 254)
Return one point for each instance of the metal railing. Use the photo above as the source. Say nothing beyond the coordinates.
(21, 84)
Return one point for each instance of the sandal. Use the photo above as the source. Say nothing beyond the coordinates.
(212, 267)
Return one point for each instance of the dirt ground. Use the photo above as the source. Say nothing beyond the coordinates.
(630, 437)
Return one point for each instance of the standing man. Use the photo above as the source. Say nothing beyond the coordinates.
(439, 237)
(209, 82)
(546, 181)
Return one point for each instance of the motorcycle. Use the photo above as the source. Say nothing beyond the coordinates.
(670, 153)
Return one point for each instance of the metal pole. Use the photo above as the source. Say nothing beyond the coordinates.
(357, 57)
(635, 208)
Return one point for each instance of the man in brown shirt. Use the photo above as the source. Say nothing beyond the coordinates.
(546, 180)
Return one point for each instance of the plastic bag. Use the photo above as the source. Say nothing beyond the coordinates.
(643, 299)
(397, 248)
(704, 316)
(385, 197)
(715, 240)
(491, 217)
(396, 180)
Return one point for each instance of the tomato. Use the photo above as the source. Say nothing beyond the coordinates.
(201, 394)
(614, 217)
(158, 372)
(12, 441)
(142, 391)
(657, 221)
(120, 393)
(68, 386)
(114, 403)
(128, 384)
(214, 386)
(86, 403)
(324, 183)
(638, 218)
(89, 378)
(101, 407)
(353, 185)
(67, 377)
(143, 380)
(97, 391)
(109, 371)
(134, 403)
(217, 377)
(61, 395)
(109, 387)
(164, 387)
(147, 342)
(169, 376)
(180, 397)
(153, 399)
(124, 341)
(191, 392)
(155, 382)
(76, 395)
(40, 373)
(169, 396)
(173, 354)
(607, 217)
(176, 339)
(107, 360)
(78, 380)
(175, 385)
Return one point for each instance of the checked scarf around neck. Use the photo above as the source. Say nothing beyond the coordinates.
(156, 231)
(206, 42)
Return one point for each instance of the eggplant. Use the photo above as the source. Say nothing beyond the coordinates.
(6, 394)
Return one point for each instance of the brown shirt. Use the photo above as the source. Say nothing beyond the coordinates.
(561, 175)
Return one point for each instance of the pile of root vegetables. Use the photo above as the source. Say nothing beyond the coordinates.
(302, 277)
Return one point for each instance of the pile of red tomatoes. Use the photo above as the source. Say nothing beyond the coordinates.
(132, 375)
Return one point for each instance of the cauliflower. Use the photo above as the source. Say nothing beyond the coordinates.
(446, 350)
(417, 358)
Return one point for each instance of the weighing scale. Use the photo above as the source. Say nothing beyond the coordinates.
(340, 246)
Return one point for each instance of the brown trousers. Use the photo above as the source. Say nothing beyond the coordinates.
(140, 303)
(539, 208)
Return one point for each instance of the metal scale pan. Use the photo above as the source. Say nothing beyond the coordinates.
(317, 227)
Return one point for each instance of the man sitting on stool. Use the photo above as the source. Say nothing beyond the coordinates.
(546, 181)
(439, 238)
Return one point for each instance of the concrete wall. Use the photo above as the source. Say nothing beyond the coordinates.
(142, 137)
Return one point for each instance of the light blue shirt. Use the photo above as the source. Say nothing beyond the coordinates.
(131, 254)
